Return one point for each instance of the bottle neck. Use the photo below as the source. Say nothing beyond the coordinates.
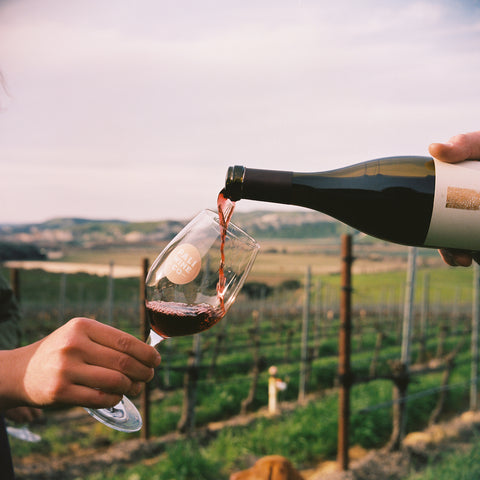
(273, 186)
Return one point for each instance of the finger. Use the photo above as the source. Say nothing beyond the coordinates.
(88, 385)
(109, 358)
(460, 147)
(444, 152)
(99, 378)
(91, 398)
(96, 398)
(120, 341)
(456, 258)
(127, 344)
(137, 387)
(18, 414)
(36, 413)
(31, 414)
(28, 415)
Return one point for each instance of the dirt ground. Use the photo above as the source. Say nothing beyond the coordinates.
(419, 449)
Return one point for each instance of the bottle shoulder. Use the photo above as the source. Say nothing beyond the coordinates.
(400, 166)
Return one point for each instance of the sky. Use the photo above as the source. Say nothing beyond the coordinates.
(135, 109)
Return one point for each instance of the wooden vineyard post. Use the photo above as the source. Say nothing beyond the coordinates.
(422, 351)
(110, 297)
(400, 369)
(257, 364)
(63, 298)
(408, 306)
(15, 282)
(344, 370)
(474, 339)
(186, 424)
(317, 318)
(305, 321)
(144, 333)
(407, 334)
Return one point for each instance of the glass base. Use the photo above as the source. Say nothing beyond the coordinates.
(123, 417)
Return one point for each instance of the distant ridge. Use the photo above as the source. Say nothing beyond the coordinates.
(95, 232)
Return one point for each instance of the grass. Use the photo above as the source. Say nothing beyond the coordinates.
(452, 465)
(172, 465)
(307, 435)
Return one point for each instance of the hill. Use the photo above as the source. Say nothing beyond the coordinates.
(302, 224)
(84, 232)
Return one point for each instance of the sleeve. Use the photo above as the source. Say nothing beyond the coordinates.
(10, 329)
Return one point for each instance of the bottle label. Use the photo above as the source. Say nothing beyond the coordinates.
(455, 219)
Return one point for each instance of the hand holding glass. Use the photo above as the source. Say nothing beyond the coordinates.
(189, 288)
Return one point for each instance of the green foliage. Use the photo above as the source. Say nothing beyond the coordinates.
(20, 251)
(306, 435)
(183, 461)
(452, 465)
(291, 284)
(257, 290)
(220, 401)
(304, 230)
(370, 429)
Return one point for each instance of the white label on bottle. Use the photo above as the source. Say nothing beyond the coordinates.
(455, 219)
(183, 264)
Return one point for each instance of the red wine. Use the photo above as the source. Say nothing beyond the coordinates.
(416, 201)
(225, 211)
(174, 319)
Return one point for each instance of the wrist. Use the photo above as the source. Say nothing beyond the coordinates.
(13, 364)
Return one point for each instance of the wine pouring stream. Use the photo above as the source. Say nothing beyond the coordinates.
(190, 287)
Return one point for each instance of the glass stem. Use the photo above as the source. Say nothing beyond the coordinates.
(154, 339)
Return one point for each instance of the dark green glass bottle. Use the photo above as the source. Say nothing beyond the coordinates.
(412, 200)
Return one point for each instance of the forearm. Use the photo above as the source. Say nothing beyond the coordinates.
(12, 371)
(10, 331)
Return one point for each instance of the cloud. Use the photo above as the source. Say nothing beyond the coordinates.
(166, 93)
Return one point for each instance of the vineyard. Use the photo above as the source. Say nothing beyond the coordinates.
(210, 395)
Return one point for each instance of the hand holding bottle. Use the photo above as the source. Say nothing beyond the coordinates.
(457, 149)
(460, 147)
(410, 200)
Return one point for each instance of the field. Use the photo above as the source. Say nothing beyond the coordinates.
(223, 440)
(280, 259)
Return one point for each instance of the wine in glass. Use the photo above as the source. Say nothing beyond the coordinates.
(189, 288)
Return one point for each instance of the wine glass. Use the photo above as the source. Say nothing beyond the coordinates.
(189, 288)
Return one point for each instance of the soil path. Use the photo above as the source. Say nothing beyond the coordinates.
(419, 449)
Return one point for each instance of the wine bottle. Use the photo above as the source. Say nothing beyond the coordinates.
(412, 200)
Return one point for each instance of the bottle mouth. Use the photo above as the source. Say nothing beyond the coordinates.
(234, 182)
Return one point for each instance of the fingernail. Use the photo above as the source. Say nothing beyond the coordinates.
(137, 388)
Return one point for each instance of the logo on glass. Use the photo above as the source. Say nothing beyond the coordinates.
(183, 264)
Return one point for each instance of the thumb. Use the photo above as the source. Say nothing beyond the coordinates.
(461, 147)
